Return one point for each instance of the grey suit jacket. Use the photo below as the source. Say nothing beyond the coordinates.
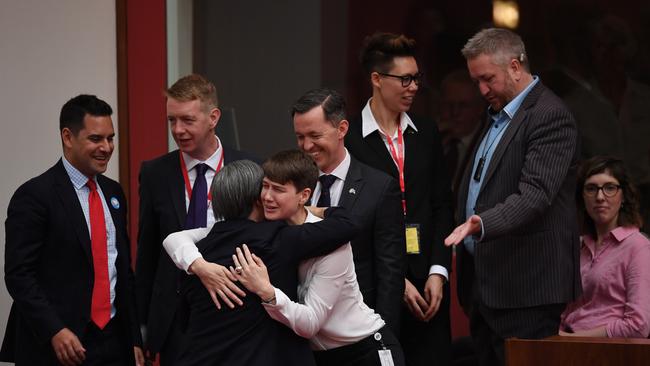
(529, 254)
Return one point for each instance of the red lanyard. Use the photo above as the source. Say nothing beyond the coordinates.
(398, 158)
(186, 176)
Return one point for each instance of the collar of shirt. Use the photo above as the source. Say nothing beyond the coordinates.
(311, 217)
(341, 171)
(212, 161)
(77, 178)
(369, 123)
(618, 235)
(511, 108)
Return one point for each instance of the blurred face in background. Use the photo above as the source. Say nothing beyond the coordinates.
(461, 108)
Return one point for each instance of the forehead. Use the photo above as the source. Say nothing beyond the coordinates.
(175, 106)
(404, 65)
(288, 184)
(97, 125)
(312, 120)
(601, 178)
(481, 65)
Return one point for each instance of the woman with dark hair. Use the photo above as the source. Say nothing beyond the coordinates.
(614, 256)
(387, 137)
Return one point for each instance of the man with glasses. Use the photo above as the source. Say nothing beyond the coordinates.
(518, 258)
(387, 138)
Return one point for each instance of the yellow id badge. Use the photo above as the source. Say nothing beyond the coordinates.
(412, 239)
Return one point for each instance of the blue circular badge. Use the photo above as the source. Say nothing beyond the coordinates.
(115, 203)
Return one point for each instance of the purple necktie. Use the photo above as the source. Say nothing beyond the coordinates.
(197, 213)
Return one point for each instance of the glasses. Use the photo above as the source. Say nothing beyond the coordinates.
(609, 189)
(406, 79)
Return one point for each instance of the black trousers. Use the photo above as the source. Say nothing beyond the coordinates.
(106, 347)
(427, 343)
(363, 353)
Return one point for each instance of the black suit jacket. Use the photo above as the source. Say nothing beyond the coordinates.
(49, 266)
(427, 192)
(373, 198)
(162, 212)
(246, 335)
(529, 255)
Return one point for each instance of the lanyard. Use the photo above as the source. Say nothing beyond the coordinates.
(186, 176)
(398, 158)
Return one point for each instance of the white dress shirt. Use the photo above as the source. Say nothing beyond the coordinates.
(331, 312)
(369, 125)
(340, 172)
(211, 162)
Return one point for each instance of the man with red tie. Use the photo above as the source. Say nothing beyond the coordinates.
(67, 258)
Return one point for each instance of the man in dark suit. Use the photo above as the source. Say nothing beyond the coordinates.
(245, 335)
(385, 137)
(518, 263)
(67, 262)
(368, 194)
(173, 197)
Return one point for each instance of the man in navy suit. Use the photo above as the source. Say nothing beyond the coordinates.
(518, 264)
(67, 262)
(173, 197)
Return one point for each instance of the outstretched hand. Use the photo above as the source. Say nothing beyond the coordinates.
(470, 227)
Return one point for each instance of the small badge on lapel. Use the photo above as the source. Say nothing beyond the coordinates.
(115, 203)
(352, 191)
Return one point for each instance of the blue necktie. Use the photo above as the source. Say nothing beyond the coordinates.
(326, 181)
(197, 212)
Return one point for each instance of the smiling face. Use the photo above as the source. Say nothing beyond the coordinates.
(603, 210)
(495, 82)
(320, 138)
(393, 95)
(192, 127)
(283, 201)
(90, 150)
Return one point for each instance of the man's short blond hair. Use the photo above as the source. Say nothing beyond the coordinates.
(192, 87)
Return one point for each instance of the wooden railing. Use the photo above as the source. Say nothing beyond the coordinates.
(577, 351)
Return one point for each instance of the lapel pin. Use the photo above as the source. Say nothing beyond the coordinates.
(352, 191)
(115, 203)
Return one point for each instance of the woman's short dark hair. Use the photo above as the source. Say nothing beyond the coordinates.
(235, 190)
(629, 212)
(292, 166)
(380, 49)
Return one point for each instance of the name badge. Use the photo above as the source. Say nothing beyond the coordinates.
(385, 357)
(412, 239)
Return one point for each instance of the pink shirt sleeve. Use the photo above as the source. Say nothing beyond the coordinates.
(636, 316)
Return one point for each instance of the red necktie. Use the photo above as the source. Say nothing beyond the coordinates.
(100, 311)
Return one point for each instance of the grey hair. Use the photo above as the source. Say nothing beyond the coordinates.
(503, 44)
(235, 189)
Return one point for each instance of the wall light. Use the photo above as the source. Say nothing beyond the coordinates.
(505, 13)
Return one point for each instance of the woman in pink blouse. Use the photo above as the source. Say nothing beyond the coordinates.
(614, 256)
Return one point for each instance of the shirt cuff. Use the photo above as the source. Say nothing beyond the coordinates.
(188, 258)
(439, 270)
(479, 236)
(280, 300)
